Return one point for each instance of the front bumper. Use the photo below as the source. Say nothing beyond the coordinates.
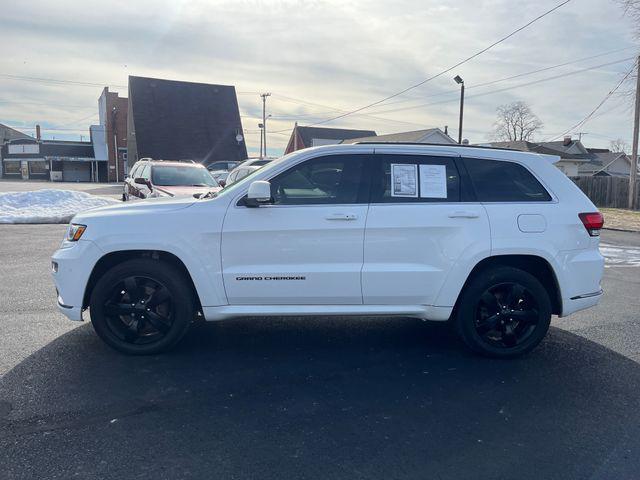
(75, 263)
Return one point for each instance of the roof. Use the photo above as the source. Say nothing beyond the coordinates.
(8, 133)
(307, 134)
(61, 148)
(173, 120)
(415, 136)
(53, 149)
(547, 148)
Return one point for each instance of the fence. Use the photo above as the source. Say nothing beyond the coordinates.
(611, 192)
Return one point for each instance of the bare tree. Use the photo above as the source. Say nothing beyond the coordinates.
(619, 146)
(515, 122)
(632, 9)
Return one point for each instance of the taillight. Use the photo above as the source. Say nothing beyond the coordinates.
(593, 222)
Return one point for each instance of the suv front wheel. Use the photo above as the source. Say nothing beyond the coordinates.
(503, 312)
(142, 306)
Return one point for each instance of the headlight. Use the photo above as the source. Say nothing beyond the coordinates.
(74, 232)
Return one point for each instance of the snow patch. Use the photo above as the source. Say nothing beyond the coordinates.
(47, 206)
(620, 256)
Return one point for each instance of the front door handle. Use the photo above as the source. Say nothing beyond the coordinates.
(341, 216)
(464, 214)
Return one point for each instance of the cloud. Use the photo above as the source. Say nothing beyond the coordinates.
(333, 54)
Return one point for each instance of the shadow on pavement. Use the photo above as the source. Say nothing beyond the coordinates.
(328, 398)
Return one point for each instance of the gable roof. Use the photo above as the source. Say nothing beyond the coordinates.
(546, 148)
(307, 134)
(8, 133)
(176, 120)
(559, 146)
(415, 136)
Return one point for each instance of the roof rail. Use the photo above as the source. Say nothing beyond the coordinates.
(485, 147)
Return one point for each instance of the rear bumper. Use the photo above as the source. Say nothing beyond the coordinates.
(581, 274)
(581, 302)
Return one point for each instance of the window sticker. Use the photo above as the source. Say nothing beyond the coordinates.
(433, 181)
(404, 180)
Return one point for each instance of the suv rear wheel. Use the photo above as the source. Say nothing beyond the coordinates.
(503, 312)
(142, 306)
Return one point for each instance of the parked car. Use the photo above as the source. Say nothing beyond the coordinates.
(220, 176)
(158, 178)
(245, 169)
(494, 241)
(226, 165)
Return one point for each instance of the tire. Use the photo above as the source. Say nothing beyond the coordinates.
(503, 312)
(142, 306)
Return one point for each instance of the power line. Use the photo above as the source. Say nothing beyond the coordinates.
(369, 115)
(602, 102)
(504, 89)
(56, 81)
(477, 54)
(519, 75)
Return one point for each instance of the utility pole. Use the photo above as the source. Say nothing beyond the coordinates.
(460, 82)
(264, 123)
(634, 147)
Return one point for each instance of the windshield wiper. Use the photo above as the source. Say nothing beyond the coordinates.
(209, 194)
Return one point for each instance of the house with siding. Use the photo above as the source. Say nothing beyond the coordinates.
(573, 154)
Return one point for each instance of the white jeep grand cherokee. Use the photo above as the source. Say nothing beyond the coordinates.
(494, 240)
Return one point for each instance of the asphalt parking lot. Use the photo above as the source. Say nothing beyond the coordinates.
(323, 398)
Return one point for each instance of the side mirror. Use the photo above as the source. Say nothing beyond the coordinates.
(259, 192)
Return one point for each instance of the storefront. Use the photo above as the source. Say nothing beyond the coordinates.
(54, 160)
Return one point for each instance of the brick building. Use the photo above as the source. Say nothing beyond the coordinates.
(113, 111)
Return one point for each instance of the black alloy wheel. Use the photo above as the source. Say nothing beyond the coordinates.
(142, 306)
(503, 312)
(506, 315)
(139, 310)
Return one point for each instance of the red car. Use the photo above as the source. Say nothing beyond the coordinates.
(159, 178)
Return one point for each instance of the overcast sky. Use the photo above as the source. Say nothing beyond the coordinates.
(321, 57)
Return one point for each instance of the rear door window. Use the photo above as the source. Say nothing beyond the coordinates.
(504, 181)
(414, 178)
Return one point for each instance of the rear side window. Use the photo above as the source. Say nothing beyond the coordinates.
(498, 181)
(415, 178)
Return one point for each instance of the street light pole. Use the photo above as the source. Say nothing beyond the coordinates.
(264, 122)
(460, 82)
(633, 184)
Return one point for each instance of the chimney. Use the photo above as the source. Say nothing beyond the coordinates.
(567, 141)
(38, 132)
(446, 129)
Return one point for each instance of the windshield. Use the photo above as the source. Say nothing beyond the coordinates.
(174, 176)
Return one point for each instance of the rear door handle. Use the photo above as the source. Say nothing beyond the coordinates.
(341, 216)
(464, 214)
